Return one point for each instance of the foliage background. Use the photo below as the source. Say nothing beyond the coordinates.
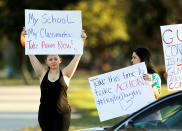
(114, 29)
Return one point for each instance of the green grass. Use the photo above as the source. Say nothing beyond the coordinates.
(12, 82)
(83, 106)
(164, 91)
(82, 100)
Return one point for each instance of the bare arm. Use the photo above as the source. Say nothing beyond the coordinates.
(156, 92)
(70, 69)
(37, 66)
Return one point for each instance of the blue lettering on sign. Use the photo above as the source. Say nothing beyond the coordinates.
(31, 32)
(32, 19)
(44, 19)
(122, 97)
(45, 34)
(126, 105)
(47, 19)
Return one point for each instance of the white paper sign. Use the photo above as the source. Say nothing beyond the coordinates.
(172, 46)
(53, 32)
(121, 92)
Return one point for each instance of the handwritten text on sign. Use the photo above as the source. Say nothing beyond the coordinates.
(121, 92)
(53, 32)
(172, 46)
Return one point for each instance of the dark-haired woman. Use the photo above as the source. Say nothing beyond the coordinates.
(143, 55)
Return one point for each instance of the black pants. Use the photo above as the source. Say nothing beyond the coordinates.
(51, 120)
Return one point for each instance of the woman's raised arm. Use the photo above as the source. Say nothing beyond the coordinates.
(70, 69)
(37, 66)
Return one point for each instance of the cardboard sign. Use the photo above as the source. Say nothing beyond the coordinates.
(172, 46)
(53, 32)
(121, 92)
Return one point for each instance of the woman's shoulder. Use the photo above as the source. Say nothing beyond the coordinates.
(155, 76)
(45, 70)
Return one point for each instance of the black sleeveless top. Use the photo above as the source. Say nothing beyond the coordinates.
(54, 94)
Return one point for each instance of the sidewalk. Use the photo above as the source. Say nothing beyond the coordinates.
(18, 107)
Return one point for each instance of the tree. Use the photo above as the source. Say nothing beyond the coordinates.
(144, 20)
(104, 22)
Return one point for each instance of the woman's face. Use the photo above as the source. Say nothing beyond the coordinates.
(135, 59)
(53, 61)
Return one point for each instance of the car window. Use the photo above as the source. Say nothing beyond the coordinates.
(169, 111)
(166, 115)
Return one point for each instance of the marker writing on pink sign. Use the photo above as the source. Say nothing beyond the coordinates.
(176, 85)
(139, 82)
(174, 34)
(179, 65)
(62, 45)
(32, 45)
(47, 45)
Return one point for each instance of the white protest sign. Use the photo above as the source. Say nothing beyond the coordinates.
(53, 32)
(121, 92)
(172, 46)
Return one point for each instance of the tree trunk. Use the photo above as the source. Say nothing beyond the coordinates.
(26, 74)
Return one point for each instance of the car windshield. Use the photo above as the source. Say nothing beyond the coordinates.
(166, 115)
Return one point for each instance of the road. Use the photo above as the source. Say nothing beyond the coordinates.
(18, 107)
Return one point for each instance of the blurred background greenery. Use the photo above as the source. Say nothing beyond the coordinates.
(114, 29)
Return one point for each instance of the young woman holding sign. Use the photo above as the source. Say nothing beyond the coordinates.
(143, 55)
(54, 110)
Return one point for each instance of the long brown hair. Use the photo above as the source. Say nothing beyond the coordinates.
(145, 56)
